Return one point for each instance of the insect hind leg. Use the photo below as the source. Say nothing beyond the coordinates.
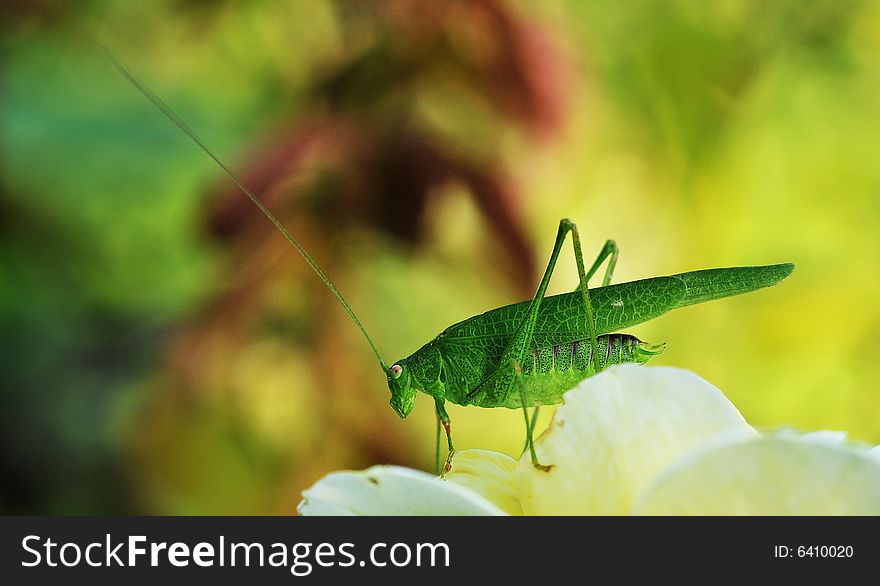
(532, 425)
(610, 246)
(530, 442)
(609, 249)
(500, 382)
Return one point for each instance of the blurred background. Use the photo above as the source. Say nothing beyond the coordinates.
(163, 350)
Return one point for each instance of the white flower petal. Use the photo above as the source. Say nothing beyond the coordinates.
(491, 474)
(824, 436)
(616, 432)
(391, 490)
(769, 476)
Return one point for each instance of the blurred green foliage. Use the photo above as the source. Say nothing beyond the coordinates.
(695, 134)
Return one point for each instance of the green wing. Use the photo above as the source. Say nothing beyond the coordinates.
(562, 318)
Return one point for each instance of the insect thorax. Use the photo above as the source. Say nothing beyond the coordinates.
(426, 368)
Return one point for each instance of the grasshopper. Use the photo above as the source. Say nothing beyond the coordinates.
(527, 354)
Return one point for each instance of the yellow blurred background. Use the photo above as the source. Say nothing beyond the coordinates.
(164, 351)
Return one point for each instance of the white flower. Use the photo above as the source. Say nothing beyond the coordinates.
(631, 440)
(391, 490)
(491, 474)
(768, 476)
(616, 432)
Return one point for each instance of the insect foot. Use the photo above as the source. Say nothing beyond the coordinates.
(448, 466)
(542, 467)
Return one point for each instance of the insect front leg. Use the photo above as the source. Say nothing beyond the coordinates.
(443, 419)
(437, 448)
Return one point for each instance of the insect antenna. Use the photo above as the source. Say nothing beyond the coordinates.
(169, 113)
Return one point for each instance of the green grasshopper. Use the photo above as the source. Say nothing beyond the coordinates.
(527, 354)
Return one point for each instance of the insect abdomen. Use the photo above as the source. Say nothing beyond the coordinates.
(578, 355)
(549, 372)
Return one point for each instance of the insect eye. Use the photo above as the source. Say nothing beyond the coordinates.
(396, 370)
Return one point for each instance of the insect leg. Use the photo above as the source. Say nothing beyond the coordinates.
(517, 369)
(437, 448)
(499, 384)
(610, 246)
(534, 422)
(609, 249)
(535, 416)
(443, 418)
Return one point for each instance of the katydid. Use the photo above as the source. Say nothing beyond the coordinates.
(527, 354)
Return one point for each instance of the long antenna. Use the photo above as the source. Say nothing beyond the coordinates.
(169, 113)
